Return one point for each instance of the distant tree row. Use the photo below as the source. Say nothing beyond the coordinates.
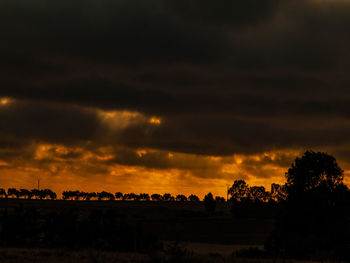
(77, 195)
(239, 191)
(28, 194)
(80, 195)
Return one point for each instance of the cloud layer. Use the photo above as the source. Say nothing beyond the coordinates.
(169, 86)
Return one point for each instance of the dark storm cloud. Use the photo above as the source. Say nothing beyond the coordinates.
(127, 32)
(54, 123)
(224, 77)
(224, 136)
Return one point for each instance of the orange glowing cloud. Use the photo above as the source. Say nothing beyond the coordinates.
(4, 101)
(61, 168)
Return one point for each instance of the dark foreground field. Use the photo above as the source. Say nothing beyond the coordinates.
(15, 255)
(93, 231)
(122, 231)
(169, 221)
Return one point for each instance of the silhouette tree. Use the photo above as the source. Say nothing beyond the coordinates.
(131, 196)
(13, 192)
(209, 203)
(193, 198)
(278, 192)
(312, 220)
(156, 197)
(83, 195)
(168, 197)
(258, 194)
(181, 198)
(144, 197)
(26, 193)
(118, 196)
(71, 195)
(65, 195)
(105, 196)
(35, 193)
(3, 193)
(91, 195)
(238, 190)
(76, 195)
(50, 194)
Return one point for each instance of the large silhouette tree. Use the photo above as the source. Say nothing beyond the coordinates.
(239, 190)
(312, 221)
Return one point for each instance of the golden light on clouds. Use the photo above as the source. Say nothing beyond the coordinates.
(141, 152)
(119, 120)
(4, 101)
(155, 121)
(177, 172)
(53, 151)
(119, 114)
(152, 171)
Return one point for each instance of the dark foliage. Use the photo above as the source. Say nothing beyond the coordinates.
(246, 208)
(210, 203)
(312, 222)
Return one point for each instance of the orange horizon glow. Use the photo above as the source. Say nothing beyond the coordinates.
(60, 175)
(129, 179)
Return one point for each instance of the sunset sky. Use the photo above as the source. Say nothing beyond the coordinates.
(178, 96)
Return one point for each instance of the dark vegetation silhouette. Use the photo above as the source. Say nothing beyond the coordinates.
(209, 203)
(312, 222)
(255, 201)
(28, 194)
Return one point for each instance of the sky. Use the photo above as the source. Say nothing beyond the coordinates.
(170, 96)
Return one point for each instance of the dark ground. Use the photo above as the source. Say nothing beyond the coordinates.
(172, 221)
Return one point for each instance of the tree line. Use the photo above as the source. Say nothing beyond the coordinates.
(81, 195)
(239, 191)
(28, 194)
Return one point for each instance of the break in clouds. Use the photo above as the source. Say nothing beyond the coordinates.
(215, 89)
